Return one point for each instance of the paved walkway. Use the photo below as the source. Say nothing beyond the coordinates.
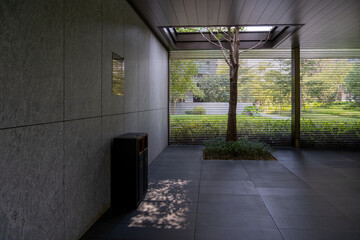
(307, 194)
(274, 116)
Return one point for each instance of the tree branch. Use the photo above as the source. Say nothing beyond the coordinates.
(210, 40)
(258, 44)
(225, 33)
(224, 51)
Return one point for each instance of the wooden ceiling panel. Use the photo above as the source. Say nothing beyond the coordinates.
(213, 12)
(246, 12)
(155, 10)
(180, 12)
(236, 9)
(190, 8)
(224, 12)
(258, 11)
(326, 23)
(297, 11)
(317, 10)
(333, 21)
(169, 12)
(202, 9)
(149, 15)
(269, 11)
(280, 11)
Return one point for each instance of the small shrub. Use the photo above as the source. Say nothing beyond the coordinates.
(251, 111)
(199, 110)
(189, 112)
(242, 149)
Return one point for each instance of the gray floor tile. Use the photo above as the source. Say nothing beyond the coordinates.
(229, 190)
(339, 188)
(180, 197)
(352, 173)
(273, 176)
(174, 176)
(230, 183)
(350, 154)
(224, 177)
(339, 163)
(248, 208)
(168, 207)
(287, 192)
(280, 184)
(342, 199)
(164, 190)
(294, 199)
(309, 194)
(177, 232)
(170, 220)
(235, 221)
(317, 223)
(236, 189)
(320, 208)
(326, 174)
(213, 233)
(173, 183)
(290, 234)
(221, 198)
(265, 166)
(352, 211)
(303, 164)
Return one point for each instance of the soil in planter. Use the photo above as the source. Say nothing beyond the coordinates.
(243, 149)
(231, 157)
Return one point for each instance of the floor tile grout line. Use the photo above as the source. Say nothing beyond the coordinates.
(63, 118)
(264, 202)
(198, 197)
(319, 193)
(310, 187)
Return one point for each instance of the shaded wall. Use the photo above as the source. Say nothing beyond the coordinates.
(57, 113)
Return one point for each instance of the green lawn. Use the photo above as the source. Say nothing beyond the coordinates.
(322, 116)
(341, 111)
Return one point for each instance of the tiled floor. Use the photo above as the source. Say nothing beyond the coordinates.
(307, 194)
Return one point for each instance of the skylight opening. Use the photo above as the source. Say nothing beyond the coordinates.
(224, 29)
(258, 29)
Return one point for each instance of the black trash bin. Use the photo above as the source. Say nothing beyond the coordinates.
(129, 170)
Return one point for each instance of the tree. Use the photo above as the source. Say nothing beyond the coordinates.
(182, 77)
(308, 68)
(245, 86)
(214, 87)
(229, 35)
(325, 84)
(352, 84)
(282, 82)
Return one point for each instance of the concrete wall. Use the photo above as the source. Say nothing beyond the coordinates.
(57, 113)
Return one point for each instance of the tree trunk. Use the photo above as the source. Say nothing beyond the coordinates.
(174, 106)
(231, 134)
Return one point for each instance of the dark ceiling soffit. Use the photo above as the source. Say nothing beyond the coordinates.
(195, 41)
(158, 36)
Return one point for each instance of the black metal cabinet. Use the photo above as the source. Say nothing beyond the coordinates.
(129, 170)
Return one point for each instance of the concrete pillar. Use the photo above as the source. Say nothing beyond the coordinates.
(295, 97)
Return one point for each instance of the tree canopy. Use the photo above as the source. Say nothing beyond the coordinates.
(182, 75)
(352, 83)
(215, 88)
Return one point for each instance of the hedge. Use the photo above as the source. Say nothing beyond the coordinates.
(273, 131)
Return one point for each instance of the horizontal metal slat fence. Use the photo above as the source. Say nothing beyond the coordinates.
(330, 112)
(329, 99)
(260, 84)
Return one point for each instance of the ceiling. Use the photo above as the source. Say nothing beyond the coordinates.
(327, 24)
